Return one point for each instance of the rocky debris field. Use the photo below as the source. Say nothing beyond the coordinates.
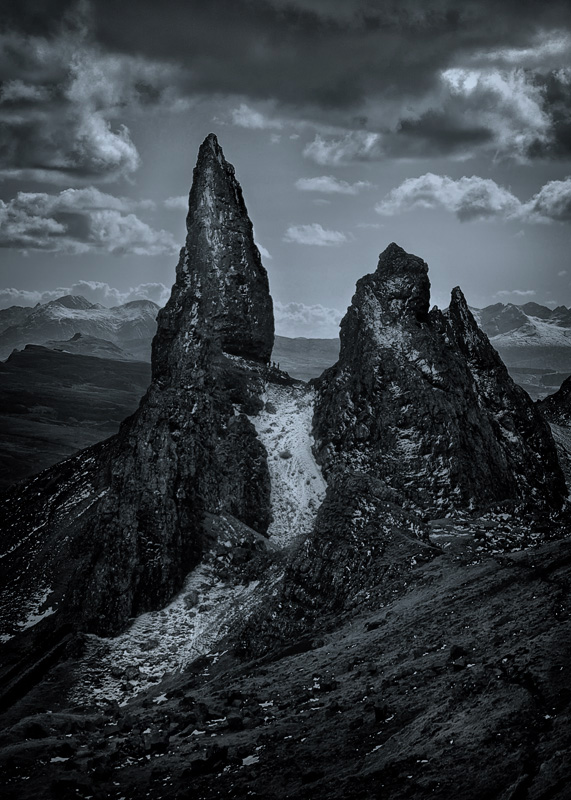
(457, 688)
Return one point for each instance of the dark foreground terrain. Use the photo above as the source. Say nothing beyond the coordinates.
(458, 688)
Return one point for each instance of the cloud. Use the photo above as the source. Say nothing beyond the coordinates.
(478, 198)
(94, 291)
(562, 273)
(62, 99)
(79, 221)
(420, 78)
(468, 198)
(263, 252)
(353, 146)
(179, 203)
(553, 201)
(314, 234)
(297, 319)
(330, 185)
(374, 81)
(518, 292)
(246, 117)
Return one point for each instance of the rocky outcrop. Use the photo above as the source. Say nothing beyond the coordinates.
(420, 399)
(220, 279)
(557, 407)
(113, 531)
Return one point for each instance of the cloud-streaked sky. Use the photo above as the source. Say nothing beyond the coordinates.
(439, 124)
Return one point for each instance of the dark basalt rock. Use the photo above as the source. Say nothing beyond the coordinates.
(219, 277)
(364, 544)
(557, 407)
(113, 531)
(423, 401)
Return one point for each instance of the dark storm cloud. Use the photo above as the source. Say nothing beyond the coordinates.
(61, 102)
(428, 78)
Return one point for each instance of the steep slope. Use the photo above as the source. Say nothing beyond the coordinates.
(131, 325)
(556, 409)
(14, 315)
(426, 403)
(113, 531)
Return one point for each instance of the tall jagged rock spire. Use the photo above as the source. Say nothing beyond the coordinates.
(221, 290)
(116, 529)
(424, 402)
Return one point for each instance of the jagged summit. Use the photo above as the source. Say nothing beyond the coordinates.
(424, 401)
(221, 285)
(404, 281)
(73, 301)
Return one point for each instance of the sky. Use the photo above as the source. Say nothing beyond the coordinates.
(442, 125)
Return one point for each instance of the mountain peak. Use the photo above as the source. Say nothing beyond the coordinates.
(72, 301)
(427, 402)
(221, 288)
(211, 148)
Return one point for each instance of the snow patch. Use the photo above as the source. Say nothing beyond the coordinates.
(165, 641)
(298, 487)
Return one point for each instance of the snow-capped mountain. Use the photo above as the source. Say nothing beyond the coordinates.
(131, 326)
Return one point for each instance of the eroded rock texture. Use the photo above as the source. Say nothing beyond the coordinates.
(113, 531)
(420, 399)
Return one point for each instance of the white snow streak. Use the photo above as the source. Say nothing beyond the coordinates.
(298, 487)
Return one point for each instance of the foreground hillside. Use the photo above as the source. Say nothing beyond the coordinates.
(456, 688)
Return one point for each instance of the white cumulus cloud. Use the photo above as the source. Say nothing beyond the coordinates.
(314, 234)
(298, 319)
(63, 100)
(179, 203)
(517, 292)
(244, 116)
(469, 198)
(330, 185)
(352, 146)
(475, 198)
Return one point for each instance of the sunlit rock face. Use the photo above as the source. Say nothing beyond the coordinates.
(420, 399)
(113, 531)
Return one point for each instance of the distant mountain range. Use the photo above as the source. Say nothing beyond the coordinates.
(130, 326)
(534, 341)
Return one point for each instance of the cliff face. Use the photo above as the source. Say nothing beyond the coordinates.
(420, 399)
(113, 531)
